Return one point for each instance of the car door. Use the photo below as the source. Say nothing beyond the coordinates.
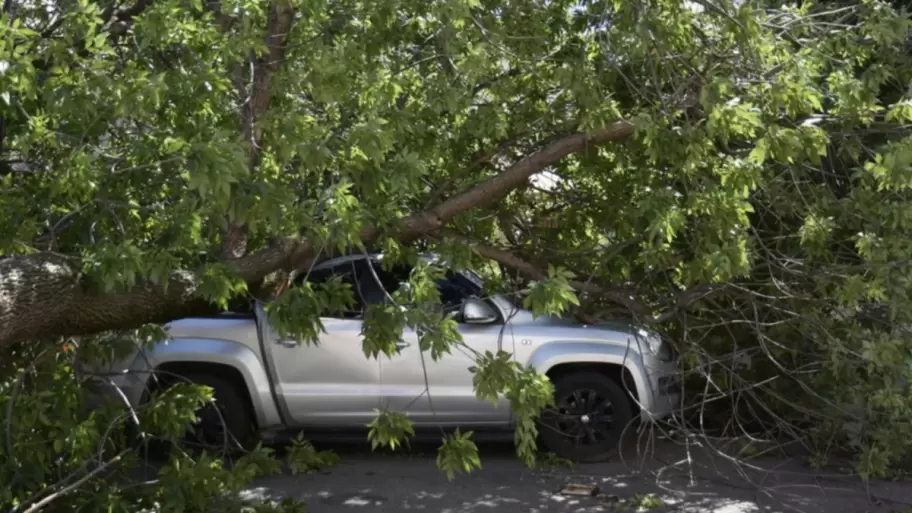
(442, 392)
(331, 383)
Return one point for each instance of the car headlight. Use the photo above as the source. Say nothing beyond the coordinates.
(657, 346)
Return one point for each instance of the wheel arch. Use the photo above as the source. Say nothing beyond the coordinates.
(228, 360)
(173, 372)
(617, 362)
(618, 373)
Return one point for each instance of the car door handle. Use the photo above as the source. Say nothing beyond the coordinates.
(287, 342)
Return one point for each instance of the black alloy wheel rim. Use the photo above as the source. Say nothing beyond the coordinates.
(585, 418)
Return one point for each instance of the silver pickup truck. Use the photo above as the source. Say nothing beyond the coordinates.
(604, 375)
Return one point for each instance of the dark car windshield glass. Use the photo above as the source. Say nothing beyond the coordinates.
(472, 278)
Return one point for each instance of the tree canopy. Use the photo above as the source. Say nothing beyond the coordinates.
(734, 173)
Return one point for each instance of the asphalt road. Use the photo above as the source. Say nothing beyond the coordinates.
(710, 482)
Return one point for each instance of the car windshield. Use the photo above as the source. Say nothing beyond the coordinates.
(473, 279)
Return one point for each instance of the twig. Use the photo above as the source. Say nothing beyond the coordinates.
(38, 506)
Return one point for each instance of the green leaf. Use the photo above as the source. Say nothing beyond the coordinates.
(458, 454)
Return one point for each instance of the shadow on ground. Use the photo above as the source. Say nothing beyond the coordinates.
(668, 478)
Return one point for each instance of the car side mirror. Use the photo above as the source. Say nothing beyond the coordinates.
(477, 311)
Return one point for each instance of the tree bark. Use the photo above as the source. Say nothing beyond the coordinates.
(257, 98)
(44, 295)
(496, 187)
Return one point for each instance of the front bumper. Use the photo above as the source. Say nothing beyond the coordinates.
(665, 384)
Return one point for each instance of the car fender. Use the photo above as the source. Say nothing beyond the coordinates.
(555, 353)
(212, 351)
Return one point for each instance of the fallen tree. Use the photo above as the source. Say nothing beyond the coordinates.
(707, 167)
(45, 294)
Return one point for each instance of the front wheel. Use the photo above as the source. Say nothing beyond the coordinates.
(225, 425)
(588, 419)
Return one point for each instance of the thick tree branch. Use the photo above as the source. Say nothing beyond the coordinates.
(44, 295)
(281, 18)
(496, 187)
(258, 97)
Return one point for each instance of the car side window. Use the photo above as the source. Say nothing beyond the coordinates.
(347, 272)
(453, 291)
(371, 284)
(376, 284)
(454, 288)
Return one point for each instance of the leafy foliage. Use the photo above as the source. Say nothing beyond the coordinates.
(296, 314)
(458, 454)
(389, 429)
(67, 444)
(551, 297)
(758, 205)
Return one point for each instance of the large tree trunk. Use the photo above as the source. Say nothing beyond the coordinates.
(44, 295)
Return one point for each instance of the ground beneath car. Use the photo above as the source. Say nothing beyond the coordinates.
(660, 478)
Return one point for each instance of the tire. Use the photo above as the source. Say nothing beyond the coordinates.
(229, 414)
(578, 427)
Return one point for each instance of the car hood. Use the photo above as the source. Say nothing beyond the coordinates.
(526, 317)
